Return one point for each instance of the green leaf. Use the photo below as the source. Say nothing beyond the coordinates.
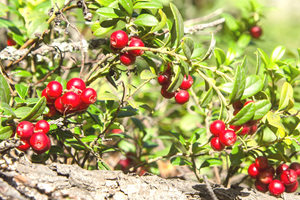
(286, 97)
(153, 4)
(138, 123)
(244, 115)
(220, 56)
(127, 5)
(162, 23)
(178, 161)
(151, 63)
(127, 111)
(22, 111)
(146, 20)
(36, 111)
(178, 26)
(97, 30)
(210, 162)
(264, 56)
(179, 74)
(227, 87)
(22, 90)
(6, 132)
(147, 74)
(230, 21)
(244, 41)
(105, 2)
(291, 72)
(211, 48)
(22, 73)
(63, 82)
(7, 109)
(239, 84)
(262, 108)
(258, 62)
(179, 137)
(4, 90)
(103, 166)
(187, 45)
(108, 96)
(197, 135)
(36, 27)
(237, 156)
(230, 56)
(277, 53)
(274, 120)
(253, 85)
(3, 10)
(110, 12)
(207, 97)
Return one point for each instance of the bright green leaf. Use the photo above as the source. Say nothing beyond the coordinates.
(178, 26)
(110, 12)
(127, 5)
(178, 161)
(6, 132)
(262, 108)
(210, 162)
(277, 53)
(146, 20)
(7, 109)
(244, 115)
(286, 97)
(22, 90)
(3, 10)
(253, 85)
(162, 23)
(36, 111)
(108, 96)
(187, 45)
(239, 84)
(147, 74)
(4, 90)
(153, 4)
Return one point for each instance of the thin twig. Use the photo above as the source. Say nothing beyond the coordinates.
(204, 18)
(200, 27)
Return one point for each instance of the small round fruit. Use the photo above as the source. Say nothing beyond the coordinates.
(276, 188)
(164, 79)
(77, 83)
(39, 141)
(25, 146)
(136, 43)
(260, 186)
(124, 163)
(217, 127)
(248, 103)
(227, 137)
(59, 105)
(46, 149)
(265, 176)
(71, 100)
(119, 39)
(165, 93)
(54, 89)
(127, 59)
(235, 112)
(182, 97)
(187, 82)
(83, 107)
(52, 111)
(253, 129)
(25, 129)
(216, 144)
(253, 171)
(295, 166)
(245, 129)
(282, 167)
(49, 101)
(10, 42)
(88, 96)
(256, 31)
(271, 169)
(42, 126)
(288, 177)
(232, 127)
(261, 162)
(237, 105)
(292, 188)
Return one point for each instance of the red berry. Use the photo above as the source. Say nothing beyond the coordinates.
(265, 176)
(118, 39)
(256, 31)
(25, 146)
(253, 129)
(182, 97)
(83, 106)
(165, 93)
(295, 166)
(59, 105)
(164, 79)
(42, 126)
(232, 127)
(49, 101)
(237, 105)
(25, 129)
(39, 141)
(235, 112)
(292, 188)
(46, 149)
(52, 111)
(187, 83)
(10, 42)
(127, 59)
(136, 43)
(76, 83)
(248, 102)
(216, 144)
(261, 162)
(288, 177)
(88, 96)
(245, 129)
(276, 188)
(253, 171)
(54, 89)
(282, 167)
(70, 101)
(260, 186)
(217, 127)
(227, 137)
(271, 169)
(251, 123)
(124, 163)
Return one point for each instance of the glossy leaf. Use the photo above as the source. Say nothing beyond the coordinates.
(274, 120)
(162, 23)
(227, 87)
(179, 137)
(4, 90)
(97, 30)
(220, 56)
(253, 85)
(36, 111)
(244, 115)
(262, 108)
(179, 74)
(178, 161)
(6, 132)
(110, 12)
(22, 111)
(286, 97)
(108, 96)
(153, 4)
(146, 20)
(244, 41)
(151, 63)
(264, 56)
(277, 53)
(187, 45)
(239, 84)
(147, 74)
(210, 162)
(105, 2)
(178, 26)
(7, 109)
(196, 135)
(22, 90)
(207, 97)
(291, 72)
(230, 56)
(127, 5)
(237, 156)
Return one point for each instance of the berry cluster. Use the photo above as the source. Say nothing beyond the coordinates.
(119, 40)
(34, 136)
(181, 94)
(264, 174)
(222, 136)
(248, 128)
(76, 98)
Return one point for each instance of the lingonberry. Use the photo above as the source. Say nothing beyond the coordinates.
(83, 107)
(10, 42)
(39, 141)
(25, 146)
(253, 129)
(88, 96)
(44, 150)
(232, 127)
(76, 83)
(25, 129)
(164, 79)
(216, 144)
(127, 59)
(54, 89)
(187, 83)
(227, 137)
(42, 126)
(136, 43)
(118, 39)
(288, 177)
(70, 101)
(165, 93)
(256, 31)
(271, 169)
(59, 105)
(248, 102)
(182, 96)
(276, 188)
(245, 129)
(296, 167)
(49, 101)
(260, 186)
(52, 111)
(265, 176)
(124, 163)
(217, 127)
(291, 188)
(237, 105)
(261, 162)
(282, 167)
(253, 171)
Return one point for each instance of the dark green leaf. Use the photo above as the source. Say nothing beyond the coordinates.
(253, 85)
(162, 23)
(151, 64)
(36, 111)
(153, 4)
(178, 161)
(4, 90)
(179, 137)
(6, 132)
(244, 115)
(22, 90)
(137, 123)
(177, 25)
(7, 109)
(103, 166)
(110, 12)
(262, 108)
(127, 5)
(149, 144)
(56, 150)
(187, 45)
(22, 111)
(210, 162)
(146, 20)
(237, 156)
(127, 111)
(109, 23)
(147, 74)
(239, 84)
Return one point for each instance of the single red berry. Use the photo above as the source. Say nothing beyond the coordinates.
(256, 31)
(253, 130)
(134, 38)
(52, 111)
(265, 176)
(271, 169)
(46, 149)
(119, 39)
(251, 123)
(165, 93)
(235, 112)
(116, 131)
(260, 186)
(217, 127)
(292, 188)
(42, 126)
(127, 59)
(83, 107)
(76, 83)
(276, 188)
(182, 97)
(164, 79)
(253, 171)
(88, 96)
(248, 103)
(216, 144)
(136, 43)
(54, 89)
(237, 105)
(288, 177)
(49, 101)
(261, 162)
(124, 163)
(39, 141)
(187, 83)
(295, 166)
(227, 137)
(71, 101)
(25, 129)
(10, 42)
(232, 127)
(282, 167)
(245, 129)
(59, 105)
(25, 146)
